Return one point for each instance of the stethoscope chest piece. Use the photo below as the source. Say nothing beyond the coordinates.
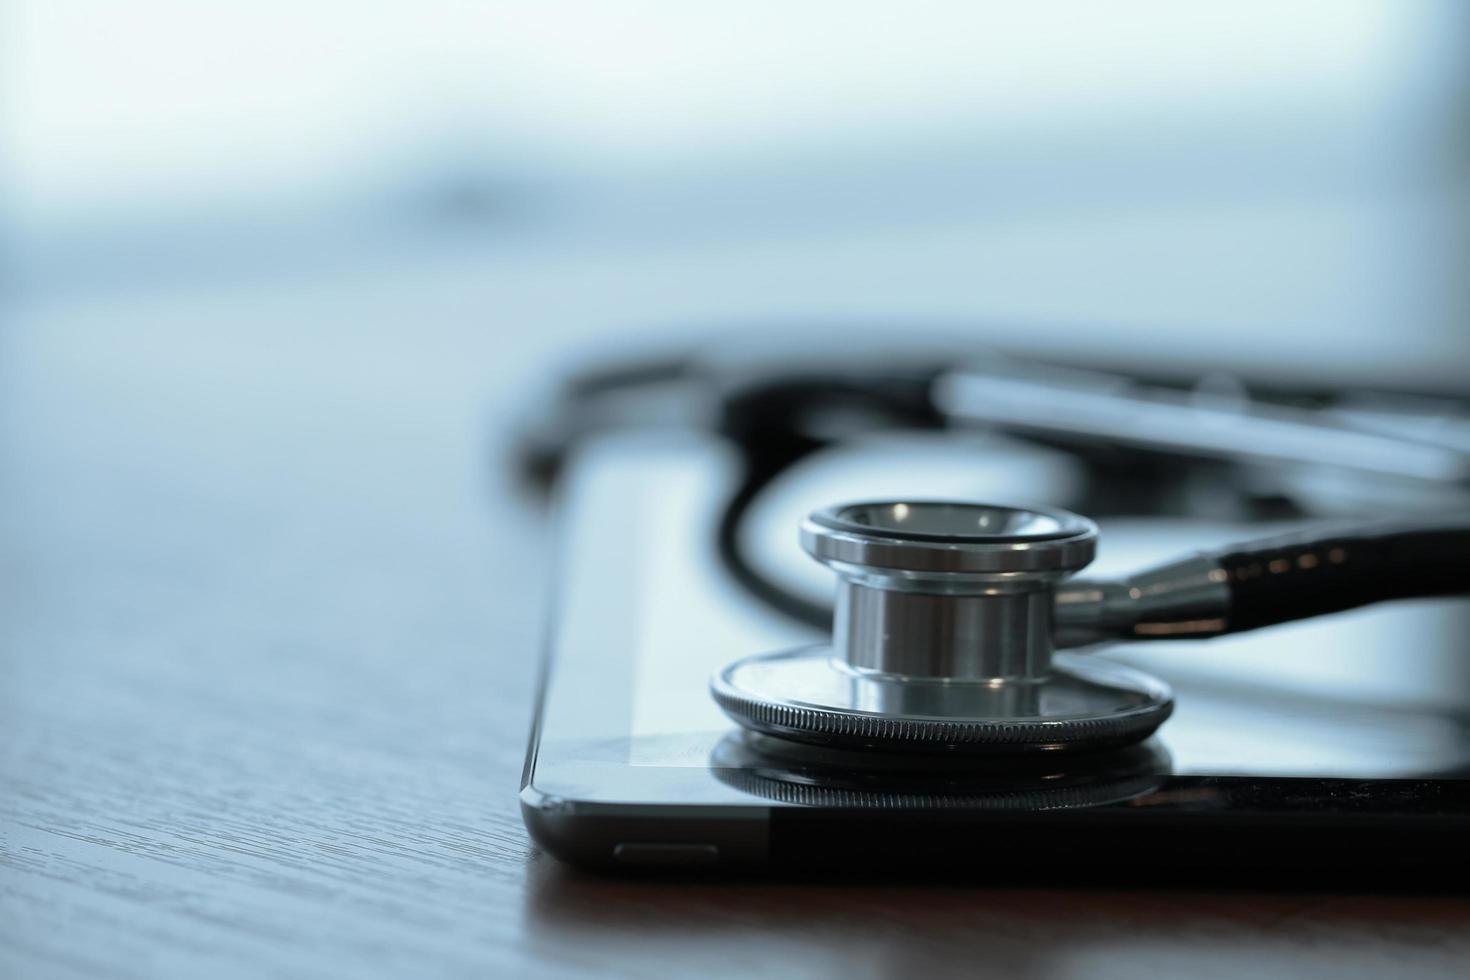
(943, 640)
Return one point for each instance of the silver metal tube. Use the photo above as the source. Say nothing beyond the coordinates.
(995, 636)
(945, 591)
(1183, 599)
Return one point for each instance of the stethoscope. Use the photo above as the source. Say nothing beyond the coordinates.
(948, 617)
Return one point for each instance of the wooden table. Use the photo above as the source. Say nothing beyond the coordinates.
(269, 617)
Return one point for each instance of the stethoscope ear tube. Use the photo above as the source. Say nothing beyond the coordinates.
(1324, 571)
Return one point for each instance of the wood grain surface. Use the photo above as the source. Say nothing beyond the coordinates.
(269, 617)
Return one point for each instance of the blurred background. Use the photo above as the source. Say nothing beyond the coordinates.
(1250, 183)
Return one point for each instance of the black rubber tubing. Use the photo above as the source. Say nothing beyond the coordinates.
(1328, 570)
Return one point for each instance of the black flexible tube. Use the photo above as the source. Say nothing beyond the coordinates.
(732, 556)
(1317, 572)
(771, 422)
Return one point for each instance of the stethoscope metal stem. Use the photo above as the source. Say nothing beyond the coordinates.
(1003, 634)
(1179, 600)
